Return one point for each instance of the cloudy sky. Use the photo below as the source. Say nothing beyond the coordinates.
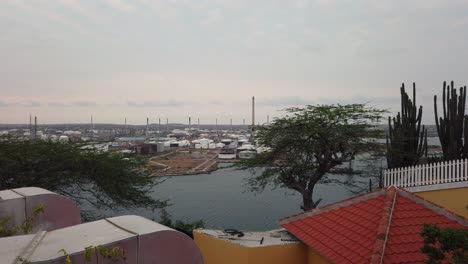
(65, 60)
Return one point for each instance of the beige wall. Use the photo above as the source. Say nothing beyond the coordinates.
(455, 200)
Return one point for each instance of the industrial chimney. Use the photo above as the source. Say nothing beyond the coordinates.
(253, 113)
(35, 127)
(147, 125)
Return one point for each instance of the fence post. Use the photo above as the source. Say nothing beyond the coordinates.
(465, 171)
(434, 173)
(417, 179)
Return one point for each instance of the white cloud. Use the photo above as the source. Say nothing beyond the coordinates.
(121, 5)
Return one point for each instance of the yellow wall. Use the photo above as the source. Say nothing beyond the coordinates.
(455, 200)
(284, 254)
(218, 251)
(313, 257)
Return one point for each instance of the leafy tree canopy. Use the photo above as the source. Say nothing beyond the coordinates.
(309, 142)
(87, 176)
(446, 245)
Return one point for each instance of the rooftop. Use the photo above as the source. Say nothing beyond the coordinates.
(379, 227)
(254, 239)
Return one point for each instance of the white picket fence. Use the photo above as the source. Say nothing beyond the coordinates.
(427, 174)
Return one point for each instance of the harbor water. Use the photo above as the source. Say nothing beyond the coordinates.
(222, 200)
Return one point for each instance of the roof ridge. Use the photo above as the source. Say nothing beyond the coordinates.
(333, 206)
(384, 226)
(434, 207)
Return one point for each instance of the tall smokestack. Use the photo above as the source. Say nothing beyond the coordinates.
(253, 113)
(232, 130)
(198, 124)
(92, 124)
(268, 119)
(167, 124)
(147, 125)
(35, 127)
(216, 125)
(243, 121)
(126, 126)
(190, 123)
(159, 126)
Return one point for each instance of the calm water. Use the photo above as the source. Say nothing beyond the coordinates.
(222, 201)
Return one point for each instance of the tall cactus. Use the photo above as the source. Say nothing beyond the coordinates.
(407, 139)
(453, 126)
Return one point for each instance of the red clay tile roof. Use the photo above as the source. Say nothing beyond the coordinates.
(379, 227)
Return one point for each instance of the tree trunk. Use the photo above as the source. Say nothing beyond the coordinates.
(307, 201)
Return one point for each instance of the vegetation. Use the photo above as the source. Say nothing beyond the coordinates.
(87, 176)
(9, 229)
(452, 127)
(310, 142)
(184, 227)
(447, 245)
(406, 140)
(112, 255)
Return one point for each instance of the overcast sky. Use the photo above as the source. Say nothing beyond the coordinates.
(65, 60)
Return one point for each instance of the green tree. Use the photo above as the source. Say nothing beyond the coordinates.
(184, 227)
(307, 143)
(87, 176)
(446, 245)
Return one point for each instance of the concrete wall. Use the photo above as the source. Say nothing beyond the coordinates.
(144, 242)
(18, 204)
(455, 200)
(215, 251)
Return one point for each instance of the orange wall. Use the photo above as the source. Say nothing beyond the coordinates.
(455, 200)
(281, 254)
(313, 257)
(218, 251)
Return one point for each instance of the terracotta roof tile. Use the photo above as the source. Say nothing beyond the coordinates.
(385, 223)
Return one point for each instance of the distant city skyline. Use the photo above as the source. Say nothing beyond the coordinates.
(65, 60)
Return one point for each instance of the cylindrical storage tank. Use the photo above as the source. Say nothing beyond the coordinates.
(160, 147)
(63, 139)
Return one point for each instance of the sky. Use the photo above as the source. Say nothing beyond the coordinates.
(68, 60)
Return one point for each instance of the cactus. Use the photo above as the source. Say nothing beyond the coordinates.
(407, 139)
(453, 126)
